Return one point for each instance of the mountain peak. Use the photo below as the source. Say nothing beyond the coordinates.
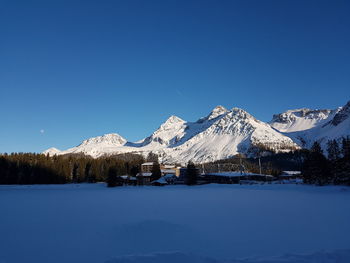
(110, 139)
(165, 134)
(216, 112)
(52, 151)
(219, 108)
(170, 122)
(174, 119)
(241, 113)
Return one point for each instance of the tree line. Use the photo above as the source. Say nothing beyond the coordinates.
(241, 162)
(32, 168)
(333, 169)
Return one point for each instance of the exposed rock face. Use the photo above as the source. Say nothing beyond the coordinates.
(342, 115)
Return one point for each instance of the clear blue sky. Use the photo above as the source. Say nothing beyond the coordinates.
(77, 69)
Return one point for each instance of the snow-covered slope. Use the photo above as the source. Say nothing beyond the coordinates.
(176, 131)
(216, 112)
(307, 126)
(101, 145)
(112, 139)
(52, 151)
(221, 134)
(300, 119)
(166, 135)
(336, 127)
(232, 132)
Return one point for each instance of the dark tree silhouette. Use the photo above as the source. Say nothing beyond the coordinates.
(112, 177)
(316, 166)
(191, 174)
(156, 172)
(333, 150)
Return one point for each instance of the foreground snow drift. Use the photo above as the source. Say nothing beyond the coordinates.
(337, 256)
(211, 223)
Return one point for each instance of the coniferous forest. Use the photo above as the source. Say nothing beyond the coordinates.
(333, 169)
(31, 168)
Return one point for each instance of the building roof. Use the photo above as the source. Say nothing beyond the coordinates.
(168, 171)
(237, 174)
(168, 176)
(144, 174)
(167, 166)
(291, 172)
(148, 163)
(160, 181)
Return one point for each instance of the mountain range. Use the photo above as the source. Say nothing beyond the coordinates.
(224, 133)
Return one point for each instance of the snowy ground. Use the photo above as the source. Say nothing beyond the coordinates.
(173, 224)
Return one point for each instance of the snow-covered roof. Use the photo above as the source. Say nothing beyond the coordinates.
(167, 166)
(291, 172)
(169, 176)
(237, 174)
(292, 181)
(168, 171)
(160, 181)
(148, 163)
(144, 174)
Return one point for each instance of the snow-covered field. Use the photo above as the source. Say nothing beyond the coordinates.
(202, 224)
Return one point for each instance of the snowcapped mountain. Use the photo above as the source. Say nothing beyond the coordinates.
(166, 135)
(336, 128)
(100, 145)
(221, 134)
(300, 119)
(225, 135)
(52, 151)
(216, 112)
(308, 126)
(112, 139)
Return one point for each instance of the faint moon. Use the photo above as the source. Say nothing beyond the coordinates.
(42, 131)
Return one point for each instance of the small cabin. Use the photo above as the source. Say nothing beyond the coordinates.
(147, 167)
(143, 178)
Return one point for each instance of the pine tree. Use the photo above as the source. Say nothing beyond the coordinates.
(112, 177)
(344, 163)
(191, 174)
(87, 172)
(152, 157)
(316, 167)
(75, 173)
(134, 170)
(333, 150)
(156, 172)
(346, 147)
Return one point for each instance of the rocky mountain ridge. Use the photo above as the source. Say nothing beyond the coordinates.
(224, 133)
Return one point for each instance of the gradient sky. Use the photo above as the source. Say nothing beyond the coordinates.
(70, 70)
